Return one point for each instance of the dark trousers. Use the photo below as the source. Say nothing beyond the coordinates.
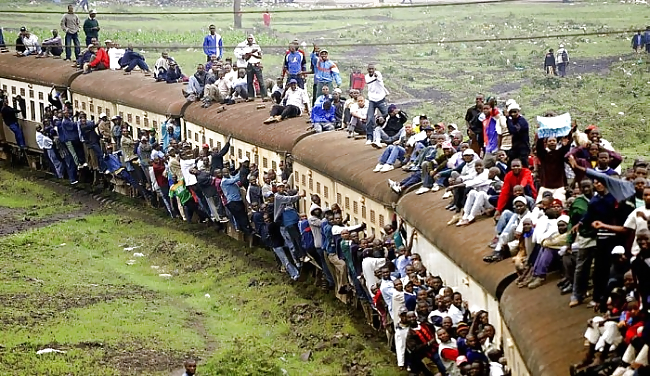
(2, 40)
(89, 40)
(294, 234)
(70, 167)
(238, 210)
(124, 175)
(98, 152)
(18, 132)
(137, 62)
(285, 112)
(255, 70)
(69, 39)
(561, 69)
(602, 264)
(460, 195)
(583, 267)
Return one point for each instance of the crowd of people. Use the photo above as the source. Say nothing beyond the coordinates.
(560, 203)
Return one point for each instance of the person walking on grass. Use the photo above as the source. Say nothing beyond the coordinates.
(562, 60)
(549, 63)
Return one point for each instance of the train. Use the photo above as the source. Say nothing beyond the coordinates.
(541, 335)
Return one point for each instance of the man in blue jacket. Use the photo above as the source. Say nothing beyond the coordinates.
(69, 135)
(213, 44)
(235, 203)
(323, 117)
(295, 65)
(91, 139)
(131, 59)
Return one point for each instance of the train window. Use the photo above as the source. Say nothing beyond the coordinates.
(33, 108)
(196, 137)
(31, 93)
(274, 166)
(239, 153)
(139, 132)
(363, 212)
(108, 112)
(311, 184)
(232, 150)
(76, 103)
(22, 92)
(318, 187)
(327, 204)
(99, 109)
(4, 88)
(304, 180)
(265, 162)
(381, 220)
(326, 191)
(338, 198)
(372, 230)
(203, 139)
(355, 207)
(218, 145)
(13, 90)
(40, 95)
(146, 122)
(347, 203)
(129, 118)
(92, 107)
(248, 155)
(155, 124)
(83, 106)
(257, 160)
(122, 115)
(356, 220)
(372, 216)
(210, 142)
(189, 134)
(42, 108)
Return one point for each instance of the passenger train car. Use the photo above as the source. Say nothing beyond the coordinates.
(540, 334)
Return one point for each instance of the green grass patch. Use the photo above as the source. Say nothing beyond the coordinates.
(69, 287)
(17, 192)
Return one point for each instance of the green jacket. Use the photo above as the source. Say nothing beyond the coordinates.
(88, 28)
(577, 210)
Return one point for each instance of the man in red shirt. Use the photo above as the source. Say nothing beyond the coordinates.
(518, 175)
(100, 62)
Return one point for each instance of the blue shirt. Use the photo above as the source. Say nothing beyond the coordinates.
(213, 45)
(113, 162)
(294, 62)
(230, 189)
(320, 115)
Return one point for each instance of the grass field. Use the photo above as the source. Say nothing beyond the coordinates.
(73, 287)
(437, 76)
(27, 197)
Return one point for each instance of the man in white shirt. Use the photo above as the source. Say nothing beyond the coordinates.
(359, 116)
(31, 45)
(377, 99)
(249, 56)
(295, 100)
(114, 54)
(45, 143)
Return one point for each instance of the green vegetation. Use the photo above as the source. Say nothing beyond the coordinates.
(74, 287)
(28, 197)
(434, 76)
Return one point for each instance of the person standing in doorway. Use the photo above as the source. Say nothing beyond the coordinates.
(213, 44)
(249, 55)
(91, 27)
(376, 99)
(562, 60)
(70, 24)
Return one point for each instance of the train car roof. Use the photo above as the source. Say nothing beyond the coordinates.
(134, 90)
(547, 332)
(45, 72)
(461, 244)
(246, 123)
(349, 162)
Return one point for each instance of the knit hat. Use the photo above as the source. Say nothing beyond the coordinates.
(563, 218)
(521, 199)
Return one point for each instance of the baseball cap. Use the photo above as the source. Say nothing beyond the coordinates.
(461, 359)
(108, 41)
(324, 50)
(244, 159)
(293, 81)
(564, 218)
(520, 199)
(206, 146)
(116, 117)
(102, 115)
(92, 12)
(268, 194)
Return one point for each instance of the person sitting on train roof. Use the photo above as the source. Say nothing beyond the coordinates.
(52, 46)
(211, 91)
(30, 42)
(161, 66)
(394, 152)
(174, 73)
(324, 96)
(131, 59)
(100, 62)
(323, 116)
(358, 117)
(295, 100)
(196, 84)
(240, 86)
(432, 161)
(392, 129)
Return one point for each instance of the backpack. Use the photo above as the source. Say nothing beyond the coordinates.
(565, 57)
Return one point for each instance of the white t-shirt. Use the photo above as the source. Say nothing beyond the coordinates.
(114, 56)
(376, 89)
(369, 265)
(635, 223)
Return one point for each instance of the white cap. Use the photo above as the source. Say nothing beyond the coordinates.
(521, 199)
(468, 152)
(618, 250)
(563, 218)
(561, 46)
(244, 159)
(509, 102)
(102, 115)
(513, 106)
(337, 90)
(108, 41)
(92, 12)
